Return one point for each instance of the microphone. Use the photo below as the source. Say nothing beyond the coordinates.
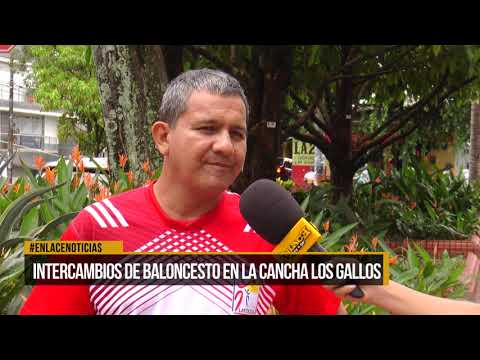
(276, 216)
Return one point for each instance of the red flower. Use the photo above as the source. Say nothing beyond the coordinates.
(326, 226)
(130, 176)
(16, 188)
(75, 154)
(393, 260)
(50, 176)
(146, 166)
(88, 180)
(81, 166)
(122, 159)
(39, 162)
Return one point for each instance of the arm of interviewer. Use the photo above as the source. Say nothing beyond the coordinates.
(401, 300)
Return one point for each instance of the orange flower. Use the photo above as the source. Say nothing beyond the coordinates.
(326, 226)
(39, 162)
(50, 176)
(75, 181)
(81, 166)
(88, 180)
(130, 176)
(16, 188)
(393, 260)
(116, 187)
(103, 194)
(26, 187)
(122, 159)
(75, 154)
(374, 243)
(146, 166)
(5, 187)
(352, 246)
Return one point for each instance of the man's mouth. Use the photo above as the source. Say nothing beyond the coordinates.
(223, 165)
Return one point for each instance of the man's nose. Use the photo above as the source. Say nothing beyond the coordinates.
(223, 144)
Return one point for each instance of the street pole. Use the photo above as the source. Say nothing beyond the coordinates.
(10, 125)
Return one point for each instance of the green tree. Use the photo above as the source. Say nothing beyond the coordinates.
(382, 94)
(351, 101)
(63, 78)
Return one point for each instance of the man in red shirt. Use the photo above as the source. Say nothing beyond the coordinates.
(202, 137)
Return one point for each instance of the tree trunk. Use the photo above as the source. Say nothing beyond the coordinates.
(132, 79)
(340, 155)
(271, 69)
(475, 142)
(173, 56)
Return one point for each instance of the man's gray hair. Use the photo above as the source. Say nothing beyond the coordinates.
(216, 82)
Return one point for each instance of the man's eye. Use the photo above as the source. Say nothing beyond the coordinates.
(238, 135)
(207, 129)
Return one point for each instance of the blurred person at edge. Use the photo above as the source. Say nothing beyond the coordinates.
(401, 300)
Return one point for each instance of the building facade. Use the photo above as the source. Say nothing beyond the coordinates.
(35, 131)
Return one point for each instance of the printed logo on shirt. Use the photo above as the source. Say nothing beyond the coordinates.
(245, 299)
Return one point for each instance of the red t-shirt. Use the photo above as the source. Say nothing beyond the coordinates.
(136, 218)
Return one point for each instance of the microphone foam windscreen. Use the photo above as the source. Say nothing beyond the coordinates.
(270, 210)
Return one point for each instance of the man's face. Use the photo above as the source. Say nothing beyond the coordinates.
(206, 149)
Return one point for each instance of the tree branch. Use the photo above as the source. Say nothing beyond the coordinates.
(194, 50)
(306, 115)
(401, 114)
(323, 146)
(383, 142)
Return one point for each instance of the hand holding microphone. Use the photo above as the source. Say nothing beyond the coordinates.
(276, 216)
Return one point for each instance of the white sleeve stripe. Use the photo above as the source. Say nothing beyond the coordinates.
(105, 214)
(261, 306)
(119, 216)
(97, 218)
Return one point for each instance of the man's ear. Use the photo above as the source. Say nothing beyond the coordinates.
(160, 132)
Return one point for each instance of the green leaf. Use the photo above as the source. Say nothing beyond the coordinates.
(88, 55)
(436, 49)
(63, 177)
(11, 213)
(29, 222)
(44, 230)
(305, 202)
(412, 258)
(63, 207)
(79, 198)
(331, 239)
(406, 276)
(46, 212)
(424, 254)
(26, 170)
(318, 219)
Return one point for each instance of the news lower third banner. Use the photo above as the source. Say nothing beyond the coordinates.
(105, 263)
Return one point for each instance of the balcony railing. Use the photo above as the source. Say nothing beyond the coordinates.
(20, 95)
(29, 141)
